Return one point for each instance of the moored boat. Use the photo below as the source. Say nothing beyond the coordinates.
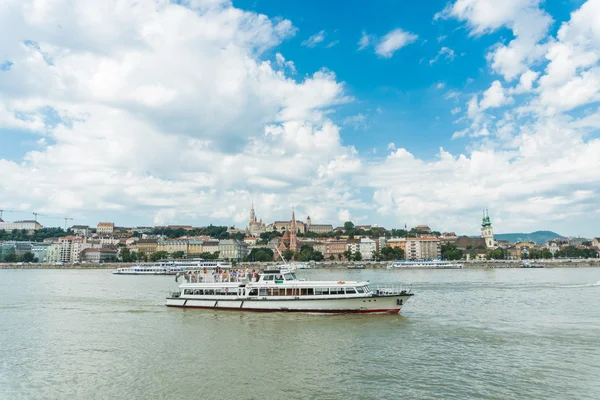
(435, 264)
(277, 290)
(171, 267)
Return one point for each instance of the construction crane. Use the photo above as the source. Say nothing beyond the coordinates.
(3, 211)
(35, 215)
(67, 219)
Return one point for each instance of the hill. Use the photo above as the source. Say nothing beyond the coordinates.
(537, 236)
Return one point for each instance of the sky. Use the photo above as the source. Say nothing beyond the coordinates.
(153, 112)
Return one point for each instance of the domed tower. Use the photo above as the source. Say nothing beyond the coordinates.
(487, 232)
(308, 222)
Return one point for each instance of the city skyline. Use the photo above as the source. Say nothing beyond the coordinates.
(389, 113)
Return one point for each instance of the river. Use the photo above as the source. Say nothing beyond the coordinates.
(490, 333)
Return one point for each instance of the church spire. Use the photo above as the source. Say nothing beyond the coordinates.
(293, 231)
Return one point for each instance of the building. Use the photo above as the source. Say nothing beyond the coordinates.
(367, 247)
(172, 246)
(233, 249)
(321, 247)
(335, 248)
(71, 248)
(250, 241)
(106, 228)
(397, 243)
(422, 228)
(353, 245)
(255, 227)
(195, 248)
(98, 255)
(487, 233)
(81, 230)
(317, 228)
(146, 246)
(142, 229)
(40, 251)
(53, 253)
(423, 249)
(596, 242)
(20, 225)
(289, 240)
(211, 247)
(472, 247)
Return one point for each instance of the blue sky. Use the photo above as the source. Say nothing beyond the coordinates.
(387, 112)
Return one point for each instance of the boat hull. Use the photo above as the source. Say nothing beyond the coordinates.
(375, 304)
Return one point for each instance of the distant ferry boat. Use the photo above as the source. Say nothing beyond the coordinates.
(277, 290)
(423, 264)
(171, 267)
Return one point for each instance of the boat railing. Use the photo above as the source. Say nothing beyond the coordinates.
(392, 290)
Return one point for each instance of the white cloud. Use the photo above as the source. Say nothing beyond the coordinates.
(314, 39)
(344, 215)
(527, 21)
(455, 110)
(440, 85)
(495, 96)
(365, 41)
(391, 146)
(393, 41)
(172, 112)
(445, 52)
(356, 121)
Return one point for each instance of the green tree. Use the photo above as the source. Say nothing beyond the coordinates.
(178, 254)
(389, 253)
(28, 257)
(348, 225)
(451, 252)
(10, 258)
(497, 254)
(260, 255)
(127, 255)
(158, 255)
(357, 256)
(331, 257)
(288, 254)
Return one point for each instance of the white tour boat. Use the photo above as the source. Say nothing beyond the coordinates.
(277, 290)
(423, 264)
(171, 267)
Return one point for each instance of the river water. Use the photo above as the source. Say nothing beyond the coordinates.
(493, 334)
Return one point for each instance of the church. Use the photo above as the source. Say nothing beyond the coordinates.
(255, 227)
(288, 241)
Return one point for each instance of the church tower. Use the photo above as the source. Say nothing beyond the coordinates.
(487, 233)
(252, 214)
(293, 231)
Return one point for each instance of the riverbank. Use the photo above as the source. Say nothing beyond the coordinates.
(576, 263)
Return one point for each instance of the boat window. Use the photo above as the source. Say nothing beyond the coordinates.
(253, 292)
(350, 290)
(188, 291)
(321, 291)
(264, 292)
(275, 292)
(360, 290)
(367, 289)
(311, 291)
(268, 278)
(289, 277)
(198, 291)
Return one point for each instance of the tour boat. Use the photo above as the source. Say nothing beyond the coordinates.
(277, 290)
(171, 267)
(423, 264)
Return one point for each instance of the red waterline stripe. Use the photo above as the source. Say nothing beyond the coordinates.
(381, 310)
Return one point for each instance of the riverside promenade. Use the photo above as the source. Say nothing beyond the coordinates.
(486, 264)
